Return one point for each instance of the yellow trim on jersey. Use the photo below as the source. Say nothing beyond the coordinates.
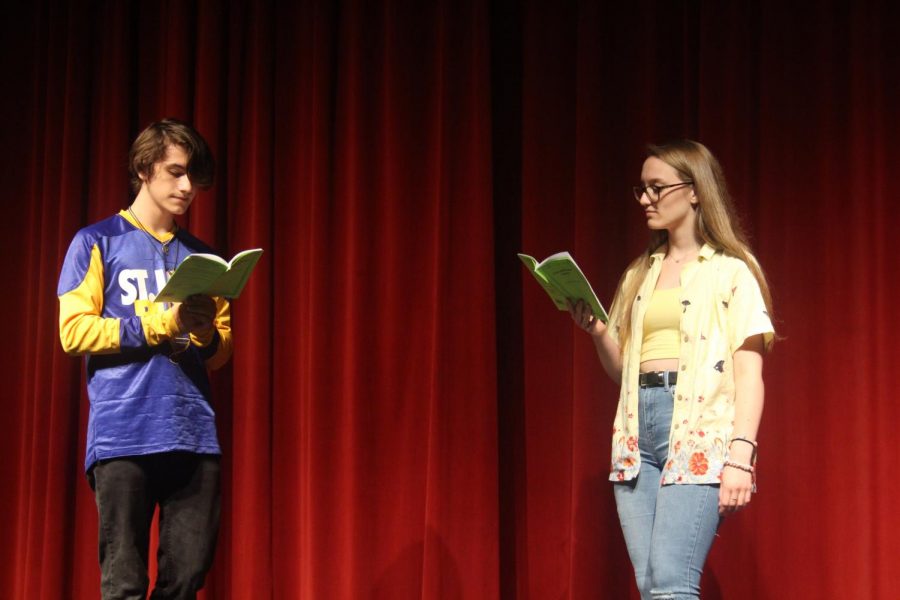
(162, 238)
(223, 325)
(81, 328)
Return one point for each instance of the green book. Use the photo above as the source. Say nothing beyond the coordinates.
(210, 275)
(561, 278)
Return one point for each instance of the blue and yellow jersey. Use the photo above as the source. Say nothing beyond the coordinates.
(144, 397)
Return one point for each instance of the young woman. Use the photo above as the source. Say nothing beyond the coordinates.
(688, 329)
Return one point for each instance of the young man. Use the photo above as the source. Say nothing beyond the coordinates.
(151, 438)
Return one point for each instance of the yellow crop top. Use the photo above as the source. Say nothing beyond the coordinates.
(662, 323)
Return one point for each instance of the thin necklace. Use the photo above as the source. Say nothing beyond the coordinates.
(678, 260)
(165, 245)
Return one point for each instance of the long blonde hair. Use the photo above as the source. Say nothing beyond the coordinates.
(716, 224)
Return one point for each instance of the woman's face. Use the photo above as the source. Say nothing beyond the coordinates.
(675, 207)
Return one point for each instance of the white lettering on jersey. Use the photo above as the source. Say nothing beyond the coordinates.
(127, 280)
(129, 292)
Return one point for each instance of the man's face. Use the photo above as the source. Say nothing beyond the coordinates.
(169, 187)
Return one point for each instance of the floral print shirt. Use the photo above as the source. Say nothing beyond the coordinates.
(723, 306)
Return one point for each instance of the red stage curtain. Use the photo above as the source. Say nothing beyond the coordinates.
(800, 106)
(405, 415)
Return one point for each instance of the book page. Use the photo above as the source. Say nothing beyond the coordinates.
(193, 276)
(568, 278)
(559, 299)
(231, 283)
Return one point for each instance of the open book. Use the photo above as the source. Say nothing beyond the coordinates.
(210, 275)
(560, 276)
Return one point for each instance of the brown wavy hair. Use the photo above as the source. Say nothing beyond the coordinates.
(717, 224)
(150, 148)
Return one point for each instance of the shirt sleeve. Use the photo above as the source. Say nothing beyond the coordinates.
(215, 347)
(747, 314)
(83, 329)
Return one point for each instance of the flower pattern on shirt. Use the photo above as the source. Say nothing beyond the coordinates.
(723, 306)
(699, 465)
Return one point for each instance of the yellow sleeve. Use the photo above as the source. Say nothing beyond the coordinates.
(218, 342)
(82, 329)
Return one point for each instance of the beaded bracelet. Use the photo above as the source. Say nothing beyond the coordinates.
(741, 466)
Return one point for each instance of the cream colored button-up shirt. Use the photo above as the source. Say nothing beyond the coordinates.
(723, 306)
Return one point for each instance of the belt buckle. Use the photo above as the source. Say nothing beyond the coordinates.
(653, 379)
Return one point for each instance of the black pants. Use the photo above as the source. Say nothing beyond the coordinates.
(127, 490)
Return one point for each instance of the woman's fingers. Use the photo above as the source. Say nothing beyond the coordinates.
(733, 499)
(581, 313)
(584, 320)
(576, 309)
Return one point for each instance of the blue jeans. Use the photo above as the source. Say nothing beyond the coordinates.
(127, 490)
(668, 529)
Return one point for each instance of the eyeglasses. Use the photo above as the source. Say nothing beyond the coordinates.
(654, 192)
